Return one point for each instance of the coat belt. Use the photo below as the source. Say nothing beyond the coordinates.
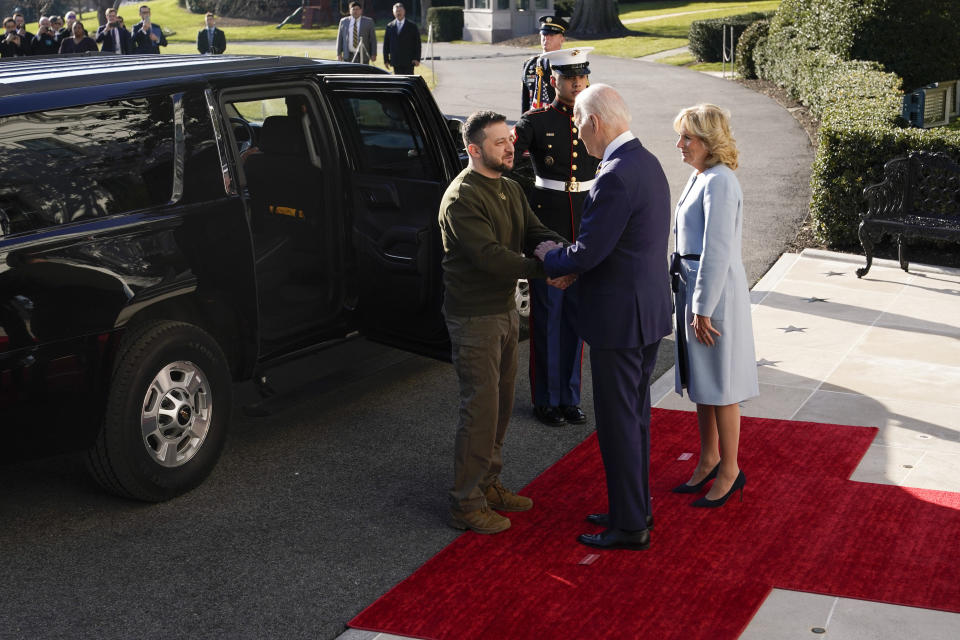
(560, 185)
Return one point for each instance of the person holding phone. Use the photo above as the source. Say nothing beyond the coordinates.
(147, 35)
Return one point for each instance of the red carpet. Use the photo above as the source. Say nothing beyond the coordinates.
(802, 526)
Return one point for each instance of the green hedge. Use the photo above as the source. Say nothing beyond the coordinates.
(447, 23)
(916, 40)
(706, 36)
(858, 103)
(746, 44)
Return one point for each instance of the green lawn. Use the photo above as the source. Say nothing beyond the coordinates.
(667, 33)
(648, 37)
(306, 50)
(185, 25)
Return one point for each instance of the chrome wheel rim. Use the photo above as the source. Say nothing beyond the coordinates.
(177, 409)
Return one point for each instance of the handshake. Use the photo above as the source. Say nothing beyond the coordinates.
(542, 250)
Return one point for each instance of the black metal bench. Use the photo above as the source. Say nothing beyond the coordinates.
(918, 198)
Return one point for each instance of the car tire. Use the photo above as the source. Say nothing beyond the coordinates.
(167, 414)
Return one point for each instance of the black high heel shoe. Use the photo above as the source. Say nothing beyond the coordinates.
(719, 502)
(694, 488)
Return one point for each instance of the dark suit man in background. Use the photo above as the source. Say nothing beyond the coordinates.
(356, 37)
(620, 255)
(147, 35)
(211, 39)
(401, 43)
(112, 37)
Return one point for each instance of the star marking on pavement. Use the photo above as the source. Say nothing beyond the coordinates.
(792, 328)
(763, 362)
(816, 299)
(835, 273)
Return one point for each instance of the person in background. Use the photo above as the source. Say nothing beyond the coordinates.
(112, 37)
(147, 36)
(12, 44)
(80, 42)
(210, 39)
(56, 23)
(356, 37)
(401, 43)
(537, 92)
(67, 30)
(716, 359)
(26, 38)
(45, 42)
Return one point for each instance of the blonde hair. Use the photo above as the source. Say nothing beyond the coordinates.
(711, 124)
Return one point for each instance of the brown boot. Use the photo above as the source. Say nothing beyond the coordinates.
(502, 499)
(481, 521)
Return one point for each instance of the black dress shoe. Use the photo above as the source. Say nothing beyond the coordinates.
(549, 415)
(603, 519)
(617, 539)
(573, 414)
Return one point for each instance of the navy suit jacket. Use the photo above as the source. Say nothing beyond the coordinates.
(621, 253)
(107, 42)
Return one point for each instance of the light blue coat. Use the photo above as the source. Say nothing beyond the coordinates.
(709, 222)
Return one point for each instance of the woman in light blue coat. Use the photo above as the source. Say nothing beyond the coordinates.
(716, 360)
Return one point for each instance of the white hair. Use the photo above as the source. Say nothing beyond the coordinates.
(603, 101)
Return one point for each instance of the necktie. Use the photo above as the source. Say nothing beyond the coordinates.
(116, 40)
(399, 27)
(356, 34)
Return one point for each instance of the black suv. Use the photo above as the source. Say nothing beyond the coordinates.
(170, 224)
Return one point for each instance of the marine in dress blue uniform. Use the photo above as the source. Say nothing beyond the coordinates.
(564, 172)
(537, 91)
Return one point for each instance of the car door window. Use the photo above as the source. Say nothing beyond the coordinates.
(391, 143)
(85, 162)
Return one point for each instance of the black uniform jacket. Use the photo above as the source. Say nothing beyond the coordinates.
(557, 154)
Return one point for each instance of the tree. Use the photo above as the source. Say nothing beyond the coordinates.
(597, 19)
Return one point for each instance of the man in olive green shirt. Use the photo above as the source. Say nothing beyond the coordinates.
(486, 224)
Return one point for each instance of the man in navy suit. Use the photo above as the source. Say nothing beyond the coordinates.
(621, 258)
(401, 43)
(111, 36)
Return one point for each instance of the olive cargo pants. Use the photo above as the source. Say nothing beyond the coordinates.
(484, 351)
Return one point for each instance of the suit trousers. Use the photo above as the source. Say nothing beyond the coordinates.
(556, 349)
(621, 400)
(484, 350)
(403, 70)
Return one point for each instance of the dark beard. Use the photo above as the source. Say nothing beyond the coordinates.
(495, 165)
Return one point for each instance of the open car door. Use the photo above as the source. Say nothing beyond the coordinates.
(403, 159)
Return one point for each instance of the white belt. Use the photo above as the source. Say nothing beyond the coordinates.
(560, 185)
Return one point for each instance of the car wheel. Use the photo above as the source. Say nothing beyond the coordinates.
(522, 296)
(168, 409)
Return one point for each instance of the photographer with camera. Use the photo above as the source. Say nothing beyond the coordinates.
(11, 45)
(45, 42)
(112, 37)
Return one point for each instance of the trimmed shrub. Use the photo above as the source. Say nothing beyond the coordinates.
(706, 36)
(447, 23)
(746, 43)
(858, 104)
(916, 40)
